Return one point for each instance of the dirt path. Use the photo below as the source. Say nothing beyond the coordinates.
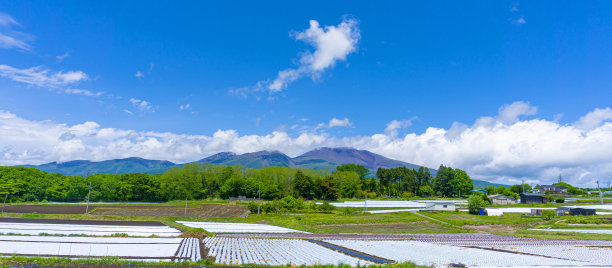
(436, 220)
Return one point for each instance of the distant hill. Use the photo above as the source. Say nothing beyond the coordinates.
(251, 160)
(115, 166)
(319, 159)
(331, 157)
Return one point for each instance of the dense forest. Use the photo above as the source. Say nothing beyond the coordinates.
(200, 181)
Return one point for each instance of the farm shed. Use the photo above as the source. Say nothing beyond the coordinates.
(528, 198)
(440, 206)
(582, 211)
(500, 199)
(563, 211)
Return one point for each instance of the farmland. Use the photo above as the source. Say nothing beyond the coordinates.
(303, 237)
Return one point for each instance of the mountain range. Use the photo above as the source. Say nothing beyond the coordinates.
(319, 159)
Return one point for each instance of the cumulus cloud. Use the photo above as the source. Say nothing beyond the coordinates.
(331, 44)
(594, 119)
(142, 105)
(39, 76)
(139, 75)
(185, 107)
(534, 149)
(10, 37)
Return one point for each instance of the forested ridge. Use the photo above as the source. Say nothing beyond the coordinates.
(204, 180)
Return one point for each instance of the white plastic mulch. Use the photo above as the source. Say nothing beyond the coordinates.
(77, 229)
(228, 227)
(391, 210)
(392, 204)
(146, 249)
(423, 253)
(586, 231)
(236, 251)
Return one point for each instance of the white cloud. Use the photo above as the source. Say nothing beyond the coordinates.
(393, 126)
(61, 58)
(594, 119)
(128, 111)
(185, 107)
(335, 122)
(83, 92)
(139, 75)
(42, 77)
(514, 7)
(11, 38)
(142, 105)
(519, 21)
(331, 44)
(536, 150)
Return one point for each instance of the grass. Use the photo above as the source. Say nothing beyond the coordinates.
(20, 261)
(463, 218)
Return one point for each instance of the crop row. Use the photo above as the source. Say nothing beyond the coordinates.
(235, 251)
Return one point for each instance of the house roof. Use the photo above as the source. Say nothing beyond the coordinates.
(531, 194)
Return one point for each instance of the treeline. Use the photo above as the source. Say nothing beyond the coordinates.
(203, 180)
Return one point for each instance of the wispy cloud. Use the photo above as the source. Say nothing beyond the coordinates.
(139, 75)
(519, 21)
(142, 105)
(10, 38)
(61, 58)
(395, 125)
(83, 92)
(128, 111)
(331, 44)
(39, 76)
(185, 107)
(514, 7)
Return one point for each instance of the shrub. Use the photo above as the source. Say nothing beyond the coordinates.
(252, 206)
(348, 211)
(549, 214)
(291, 203)
(476, 201)
(325, 207)
(560, 200)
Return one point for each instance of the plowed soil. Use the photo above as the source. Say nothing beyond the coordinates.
(204, 211)
(47, 209)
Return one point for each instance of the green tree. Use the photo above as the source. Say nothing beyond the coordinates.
(303, 185)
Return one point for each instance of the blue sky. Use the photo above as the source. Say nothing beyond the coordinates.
(201, 69)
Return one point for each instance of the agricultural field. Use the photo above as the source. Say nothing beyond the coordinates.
(89, 228)
(237, 251)
(222, 227)
(126, 248)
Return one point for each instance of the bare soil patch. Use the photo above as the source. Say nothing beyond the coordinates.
(204, 211)
(47, 209)
(83, 222)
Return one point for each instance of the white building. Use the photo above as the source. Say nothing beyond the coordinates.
(440, 206)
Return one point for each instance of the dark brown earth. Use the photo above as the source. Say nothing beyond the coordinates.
(204, 211)
(47, 209)
(83, 222)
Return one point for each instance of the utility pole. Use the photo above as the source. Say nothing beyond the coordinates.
(523, 184)
(258, 199)
(365, 204)
(88, 194)
(600, 194)
(4, 203)
(185, 206)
